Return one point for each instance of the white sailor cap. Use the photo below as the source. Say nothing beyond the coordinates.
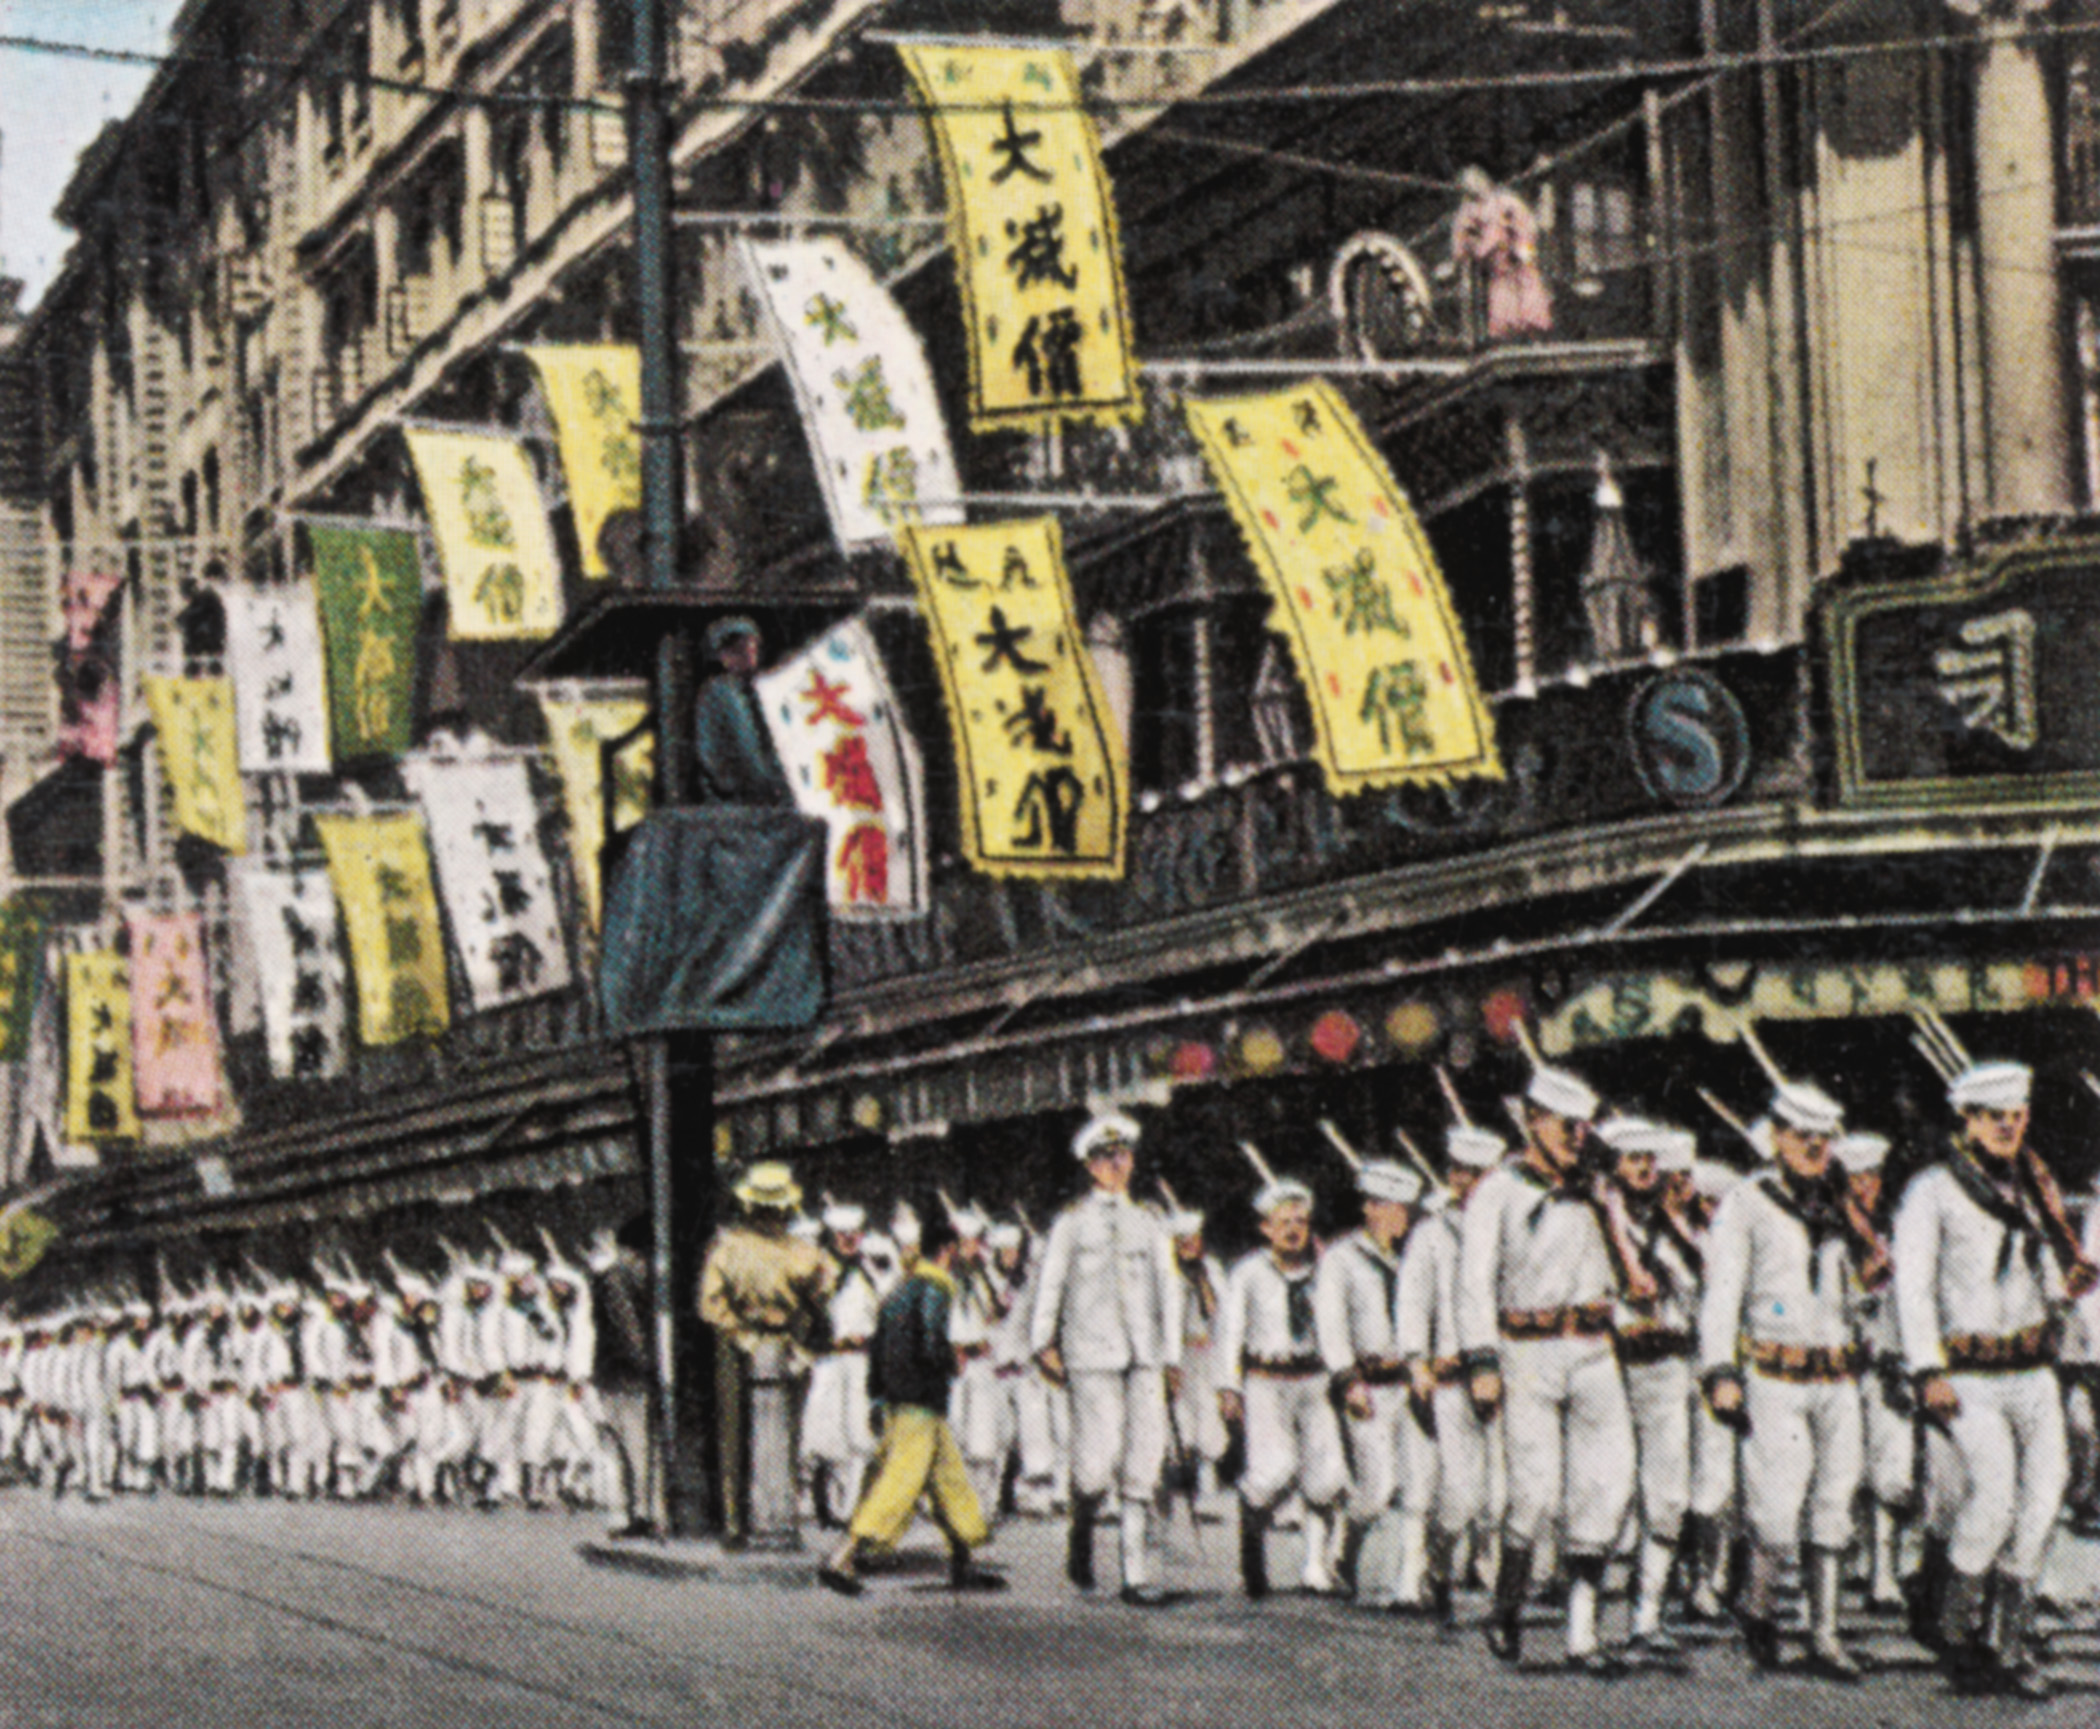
(1564, 1094)
(904, 1226)
(1106, 1134)
(844, 1217)
(1633, 1135)
(1759, 1135)
(1004, 1236)
(1182, 1223)
(1476, 1149)
(805, 1229)
(1383, 1180)
(1991, 1087)
(1860, 1151)
(1679, 1151)
(970, 1225)
(1273, 1197)
(1713, 1179)
(1807, 1108)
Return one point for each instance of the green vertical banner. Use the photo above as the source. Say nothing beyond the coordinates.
(370, 582)
(21, 963)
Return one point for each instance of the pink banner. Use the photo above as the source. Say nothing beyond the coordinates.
(83, 598)
(174, 1034)
(88, 711)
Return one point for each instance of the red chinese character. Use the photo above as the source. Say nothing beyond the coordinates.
(828, 702)
(864, 857)
(848, 775)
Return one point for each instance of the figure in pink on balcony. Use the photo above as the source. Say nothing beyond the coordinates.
(1496, 237)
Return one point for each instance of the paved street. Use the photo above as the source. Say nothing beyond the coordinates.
(171, 1613)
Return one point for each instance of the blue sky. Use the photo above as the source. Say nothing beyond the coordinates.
(50, 108)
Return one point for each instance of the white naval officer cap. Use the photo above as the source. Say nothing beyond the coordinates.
(844, 1216)
(1106, 1134)
(1273, 1197)
(1993, 1086)
(1004, 1236)
(1860, 1151)
(1633, 1135)
(1807, 1108)
(1384, 1180)
(1476, 1149)
(1564, 1094)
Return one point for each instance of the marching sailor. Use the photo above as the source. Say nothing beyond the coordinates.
(1891, 1433)
(1445, 1477)
(1107, 1323)
(838, 1438)
(1781, 1359)
(1355, 1295)
(1196, 1414)
(976, 1402)
(1272, 1379)
(1544, 1257)
(1656, 1346)
(1983, 1254)
(1709, 1525)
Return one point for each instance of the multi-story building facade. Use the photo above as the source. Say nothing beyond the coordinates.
(1742, 535)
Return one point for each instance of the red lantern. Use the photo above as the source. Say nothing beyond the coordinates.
(1502, 1014)
(1336, 1035)
(1193, 1062)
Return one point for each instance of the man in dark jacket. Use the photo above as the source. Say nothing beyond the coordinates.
(624, 1370)
(911, 1367)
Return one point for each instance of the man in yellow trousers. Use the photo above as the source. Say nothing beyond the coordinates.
(911, 1367)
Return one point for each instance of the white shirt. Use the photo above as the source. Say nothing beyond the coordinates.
(853, 1305)
(1255, 1318)
(1110, 1298)
(1677, 1308)
(1425, 1316)
(1197, 1328)
(1523, 1246)
(1761, 1282)
(1948, 1253)
(1353, 1300)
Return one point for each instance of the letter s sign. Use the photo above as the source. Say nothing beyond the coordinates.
(1690, 740)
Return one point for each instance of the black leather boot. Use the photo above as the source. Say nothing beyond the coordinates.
(1079, 1541)
(1505, 1623)
(1925, 1595)
(1254, 1552)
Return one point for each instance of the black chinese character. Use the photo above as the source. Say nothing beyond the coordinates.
(1014, 145)
(497, 836)
(1015, 570)
(393, 884)
(1308, 419)
(280, 736)
(102, 1113)
(1050, 805)
(1039, 249)
(1036, 722)
(102, 1071)
(305, 939)
(310, 1052)
(309, 993)
(512, 896)
(1002, 642)
(518, 962)
(404, 942)
(948, 566)
(1049, 353)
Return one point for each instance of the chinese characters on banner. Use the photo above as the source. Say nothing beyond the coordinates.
(381, 870)
(1356, 586)
(484, 829)
(1041, 767)
(370, 583)
(100, 1105)
(580, 719)
(594, 393)
(22, 930)
(90, 699)
(502, 578)
(194, 717)
(851, 762)
(273, 645)
(1031, 218)
(291, 923)
(875, 429)
(174, 1031)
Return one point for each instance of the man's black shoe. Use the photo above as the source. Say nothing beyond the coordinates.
(834, 1579)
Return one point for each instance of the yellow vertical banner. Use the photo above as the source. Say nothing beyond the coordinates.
(380, 866)
(1032, 220)
(201, 755)
(100, 1102)
(594, 392)
(1356, 588)
(502, 578)
(1045, 789)
(578, 725)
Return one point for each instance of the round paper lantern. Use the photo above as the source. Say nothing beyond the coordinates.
(867, 1112)
(1261, 1052)
(1413, 1026)
(1192, 1061)
(1501, 1014)
(725, 1139)
(1335, 1036)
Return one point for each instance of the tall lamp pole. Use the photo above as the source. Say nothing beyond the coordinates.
(676, 1068)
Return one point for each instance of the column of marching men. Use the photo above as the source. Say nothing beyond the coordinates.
(1591, 1345)
(475, 1385)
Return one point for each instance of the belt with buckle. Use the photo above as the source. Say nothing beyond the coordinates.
(1641, 1346)
(1808, 1363)
(1284, 1367)
(2001, 1353)
(1577, 1321)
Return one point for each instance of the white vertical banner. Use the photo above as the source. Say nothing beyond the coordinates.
(852, 763)
(875, 427)
(280, 682)
(293, 929)
(493, 875)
